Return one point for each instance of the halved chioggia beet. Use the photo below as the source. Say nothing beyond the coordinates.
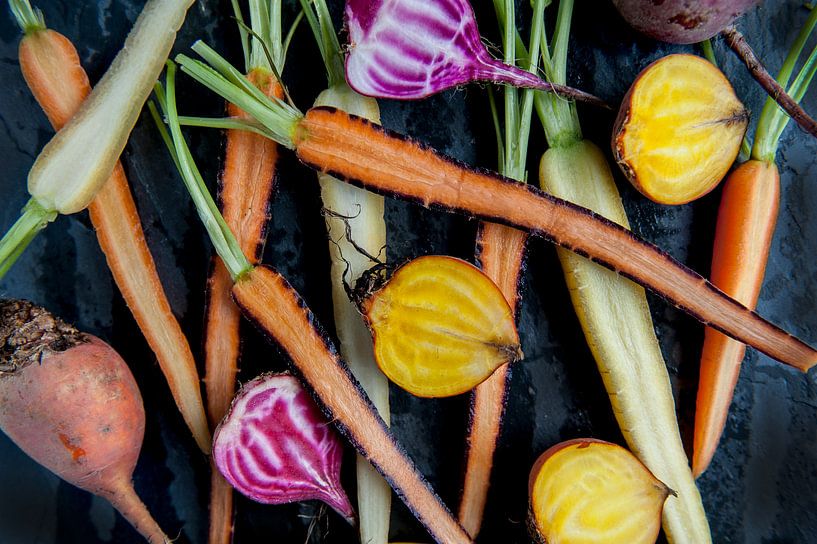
(410, 49)
(440, 325)
(275, 446)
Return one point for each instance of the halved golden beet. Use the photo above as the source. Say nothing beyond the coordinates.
(440, 327)
(679, 129)
(588, 491)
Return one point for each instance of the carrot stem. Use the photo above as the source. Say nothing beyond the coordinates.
(773, 120)
(33, 219)
(223, 239)
(30, 20)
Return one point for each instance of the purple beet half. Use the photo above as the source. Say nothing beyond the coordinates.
(410, 49)
(275, 447)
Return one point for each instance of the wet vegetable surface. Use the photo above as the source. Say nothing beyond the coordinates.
(760, 485)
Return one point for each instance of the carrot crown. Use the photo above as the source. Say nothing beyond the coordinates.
(30, 20)
(773, 119)
(274, 118)
(222, 237)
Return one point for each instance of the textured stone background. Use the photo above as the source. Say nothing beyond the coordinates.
(760, 487)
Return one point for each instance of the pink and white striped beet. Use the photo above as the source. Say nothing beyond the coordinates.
(275, 447)
(410, 49)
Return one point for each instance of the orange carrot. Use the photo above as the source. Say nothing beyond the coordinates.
(246, 186)
(501, 252)
(382, 161)
(743, 237)
(245, 189)
(268, 301)
(359, 152)
(51, 67)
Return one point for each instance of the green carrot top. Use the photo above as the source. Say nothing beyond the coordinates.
(30, 20)
(223, 239)
(773, 119)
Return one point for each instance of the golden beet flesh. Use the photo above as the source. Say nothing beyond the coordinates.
(440, 327)
(679, 129)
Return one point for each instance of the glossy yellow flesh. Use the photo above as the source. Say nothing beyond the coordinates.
(616, 321)
(441, 327)
(589, 493)
(683, 129)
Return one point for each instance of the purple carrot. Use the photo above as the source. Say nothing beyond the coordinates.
(275, 446)
(410, 49)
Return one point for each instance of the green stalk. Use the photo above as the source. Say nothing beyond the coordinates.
(612, 310)
(33, 219)
(225, 243)
(220, 77)
(30, 20)
(773, 119)
(558, 115)
(354, 221)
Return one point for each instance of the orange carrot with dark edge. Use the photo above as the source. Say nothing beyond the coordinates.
(352, 149)
(743, 238)
(245, 188)
(51, 67)
(269, 301)
(500, 254)
(388, 163)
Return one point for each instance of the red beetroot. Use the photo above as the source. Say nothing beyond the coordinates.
(69, 401)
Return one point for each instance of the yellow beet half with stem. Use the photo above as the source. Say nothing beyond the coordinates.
(679, 129)
(440, 327)
(587, 491)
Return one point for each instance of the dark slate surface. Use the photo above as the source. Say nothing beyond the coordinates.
(760, 487)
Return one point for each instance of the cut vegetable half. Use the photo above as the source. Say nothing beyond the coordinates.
(410, 49)
(679, 129)
(441, 327)
(588, 491)
(275, 446)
